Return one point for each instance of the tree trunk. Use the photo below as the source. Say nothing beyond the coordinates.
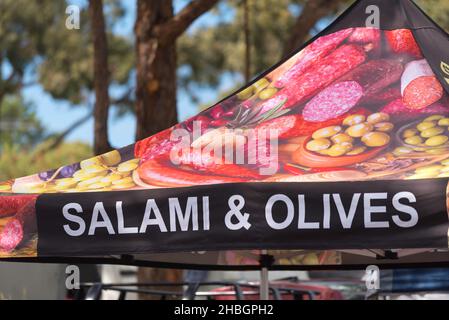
(155, 95)
(156, 31)
(312, 12)
(247, 32)
(101, 77)
(156, 69)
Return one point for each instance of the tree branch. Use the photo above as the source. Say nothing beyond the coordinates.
(312, 12)
(59, 138)
(175, 27)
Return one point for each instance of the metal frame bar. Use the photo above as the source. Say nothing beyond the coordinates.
(240, 290)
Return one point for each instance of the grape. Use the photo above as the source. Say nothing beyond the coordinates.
(68, 171)
(46, 175)
(65, 172)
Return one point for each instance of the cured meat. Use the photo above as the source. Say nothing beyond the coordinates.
(403, 41)
(20, 228)
(365, 35)
(333, 101)
(154, 146)
(365, 80)
(293, 126)
(370, 37)
(399, 112)
(376, 75)
(9, 205)
(205, 162)
(419, 86)
(382, 97)
(159, 173)
(332, 67)
(307, 58)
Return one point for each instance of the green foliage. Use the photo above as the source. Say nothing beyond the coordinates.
(33, 37)
(17, 161)
(67, 71)
(19, 123)
(210, 52)
(437, 10)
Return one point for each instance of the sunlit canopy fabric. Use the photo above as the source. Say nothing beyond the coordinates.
(338, 155)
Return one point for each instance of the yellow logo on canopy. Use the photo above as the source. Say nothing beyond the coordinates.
(445, 69)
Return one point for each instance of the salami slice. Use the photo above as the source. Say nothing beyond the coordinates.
(308, 57)
(399, 112)
(21, 228)
(333, 101)
(11, 236)
(419, 86)
(376, 75)
(403, 41)
(332, 67)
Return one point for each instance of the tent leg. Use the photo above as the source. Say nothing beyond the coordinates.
(264, 286)
(264, 283)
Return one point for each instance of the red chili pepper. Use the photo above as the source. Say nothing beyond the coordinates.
(329, 169)
(298, 170)
(290, 168)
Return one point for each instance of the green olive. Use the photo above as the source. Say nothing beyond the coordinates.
(338, 150)
(261, 84)
(384, 126)
(433, 118)
(356, 151)
(359, 130)
(342, 137)
(267, 93)
(423, 176)
(435, 131)
(323, 152)
(246, 93)
(400, 151)
(425, 125)
(376, 139)
(354, 119)
(445, 162)
(318, 144)
(436, 141)
(378, 117)
(409, 133)
(444, 122)
(111, 158)
(431, 169)
(326, 132)
(414, 141)
(443, 175)
(436, 151)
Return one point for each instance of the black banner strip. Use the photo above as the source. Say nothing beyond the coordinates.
(316, 216)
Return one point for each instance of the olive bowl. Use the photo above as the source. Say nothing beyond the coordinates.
(420, 147)
(310, 159)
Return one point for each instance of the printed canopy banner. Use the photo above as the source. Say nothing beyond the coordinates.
(344, 145)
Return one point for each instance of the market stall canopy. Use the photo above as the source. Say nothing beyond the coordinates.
(343, 147)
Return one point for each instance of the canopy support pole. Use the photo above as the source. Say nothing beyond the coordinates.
(266, 261)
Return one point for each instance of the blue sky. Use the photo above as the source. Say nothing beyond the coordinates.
(58, 115)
